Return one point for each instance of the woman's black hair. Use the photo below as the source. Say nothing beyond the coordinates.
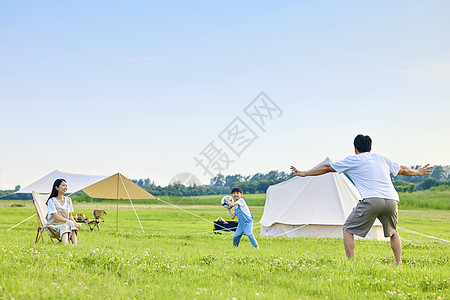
(54, 192)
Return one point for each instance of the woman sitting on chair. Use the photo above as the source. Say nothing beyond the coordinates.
(59, 215)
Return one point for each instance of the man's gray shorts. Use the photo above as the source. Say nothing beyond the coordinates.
(361, 219)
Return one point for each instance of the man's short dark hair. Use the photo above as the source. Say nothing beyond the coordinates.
(236, 189)
(363, 143)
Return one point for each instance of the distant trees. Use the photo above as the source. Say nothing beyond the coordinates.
(249, 187)
(253, 187)
(260, 182)
(440, 176)
(403, 186)
(257, 183)
(430, 182)
(178, 189)
(439, 173)
(219, 180)
(230, 180)
(11, 195)
(220, 184)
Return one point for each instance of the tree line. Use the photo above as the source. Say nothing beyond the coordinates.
(439, 177)
(9, 195)
(260, 182)
(220, 184)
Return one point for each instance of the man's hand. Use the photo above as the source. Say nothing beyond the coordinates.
(420, 171)
(319, 170)
(297, 172)
(425, 170)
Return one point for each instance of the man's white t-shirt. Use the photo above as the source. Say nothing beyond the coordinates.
(52, 208)
(243, 206)
(370, 174)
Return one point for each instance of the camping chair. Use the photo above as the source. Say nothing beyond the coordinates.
(41, 208)
(99, 217)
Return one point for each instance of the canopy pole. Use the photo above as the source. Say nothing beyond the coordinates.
(117, 208)
(131, 203)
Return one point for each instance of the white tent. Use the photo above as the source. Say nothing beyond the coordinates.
(75, 182)
(314, 206)
(115, 186)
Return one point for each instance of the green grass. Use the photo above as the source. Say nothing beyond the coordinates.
(434, 198)
(430, 199)
(179, 258)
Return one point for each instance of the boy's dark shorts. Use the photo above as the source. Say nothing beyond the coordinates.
(361, 219)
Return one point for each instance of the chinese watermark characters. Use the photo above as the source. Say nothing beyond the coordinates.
(238, 135)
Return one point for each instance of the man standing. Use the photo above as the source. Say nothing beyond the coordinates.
(371, 175)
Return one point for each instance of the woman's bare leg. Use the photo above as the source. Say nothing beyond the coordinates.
(65, 238)
(73, 237)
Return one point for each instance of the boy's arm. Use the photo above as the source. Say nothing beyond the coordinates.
(232, 204)
(232, 214)
(420, 171)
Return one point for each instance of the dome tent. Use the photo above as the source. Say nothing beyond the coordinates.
(315, 206)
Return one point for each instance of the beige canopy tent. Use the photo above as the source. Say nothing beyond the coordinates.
(116, 187)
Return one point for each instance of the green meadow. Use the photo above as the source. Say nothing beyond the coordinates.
(179, 257)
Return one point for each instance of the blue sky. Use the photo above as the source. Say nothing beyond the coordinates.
(142, 87)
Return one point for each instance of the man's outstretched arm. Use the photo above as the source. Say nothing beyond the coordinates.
(420, 171)
(319, 170)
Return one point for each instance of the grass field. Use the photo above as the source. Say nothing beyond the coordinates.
(178, 257)
(430, 199)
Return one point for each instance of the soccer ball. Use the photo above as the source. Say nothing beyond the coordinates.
(224, 202)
